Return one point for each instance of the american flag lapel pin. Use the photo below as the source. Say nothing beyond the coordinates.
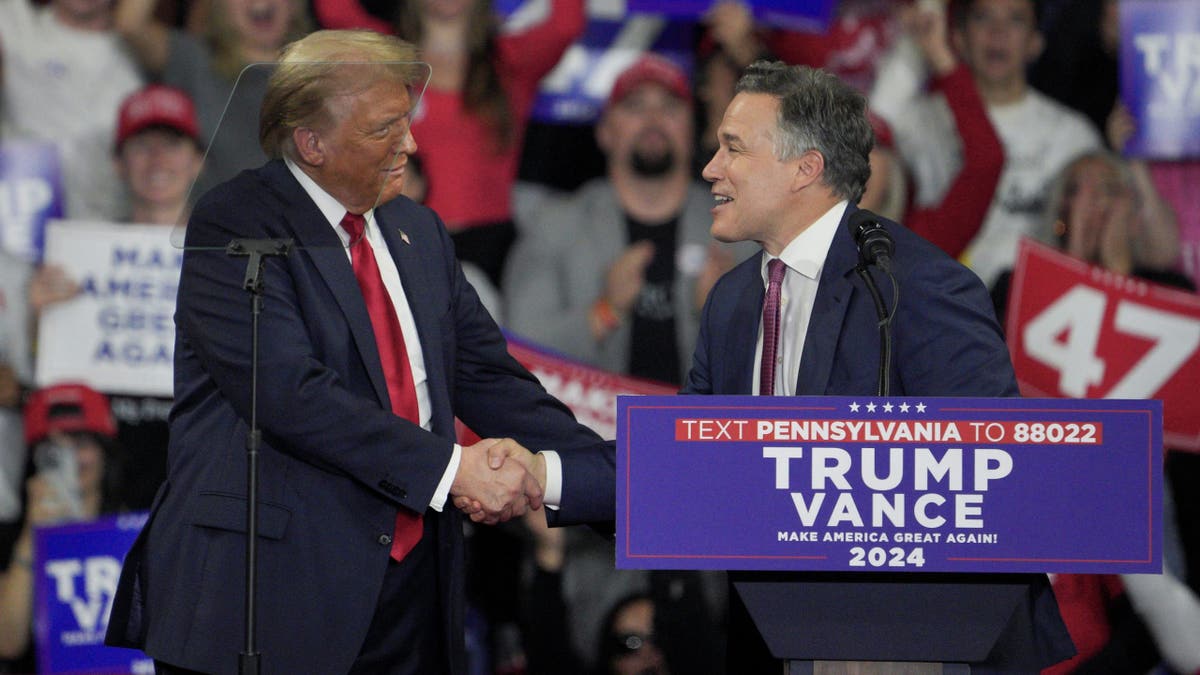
(404, 237)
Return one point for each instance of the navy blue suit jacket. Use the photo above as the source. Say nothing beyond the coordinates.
(946, 342)
(336, 464)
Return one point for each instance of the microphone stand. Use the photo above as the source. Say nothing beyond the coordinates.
(885, 331)
(257, 250)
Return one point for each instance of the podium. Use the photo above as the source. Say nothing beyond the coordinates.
(939, 625)
(893, 535)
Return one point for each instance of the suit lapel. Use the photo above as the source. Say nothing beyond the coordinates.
(743, 339)
(328, 255)
(415, 278)
(828, 314)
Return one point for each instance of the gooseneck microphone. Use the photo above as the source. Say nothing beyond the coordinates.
(875, 245)
(875, 248)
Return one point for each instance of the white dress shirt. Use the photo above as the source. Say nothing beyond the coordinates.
(334, 212)
(804, 258)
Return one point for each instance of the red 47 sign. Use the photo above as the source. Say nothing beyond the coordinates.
(1079, 331)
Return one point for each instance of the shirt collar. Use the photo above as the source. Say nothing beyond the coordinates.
(326, 204)
(807, 252)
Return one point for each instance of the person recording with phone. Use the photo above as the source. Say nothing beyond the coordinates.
(71, 436)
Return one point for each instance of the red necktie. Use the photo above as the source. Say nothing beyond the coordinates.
(392, 356)
(770, 323)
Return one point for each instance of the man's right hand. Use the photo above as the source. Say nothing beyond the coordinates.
(490, 490)
(627, 275)
(622, 284)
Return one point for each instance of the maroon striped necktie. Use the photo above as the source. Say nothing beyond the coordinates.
(770, 323)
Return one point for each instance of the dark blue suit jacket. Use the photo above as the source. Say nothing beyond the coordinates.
(336, 464)
(946, 342)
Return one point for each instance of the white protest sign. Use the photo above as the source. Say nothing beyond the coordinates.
(118, 334)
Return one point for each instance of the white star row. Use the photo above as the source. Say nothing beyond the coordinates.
(887, 407)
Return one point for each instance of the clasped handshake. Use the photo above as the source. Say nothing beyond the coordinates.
(498, 479)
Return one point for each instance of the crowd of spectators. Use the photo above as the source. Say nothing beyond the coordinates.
(994, 119)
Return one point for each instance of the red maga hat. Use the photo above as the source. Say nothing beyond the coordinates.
(651, 68)
(157, 106)
(65, 408)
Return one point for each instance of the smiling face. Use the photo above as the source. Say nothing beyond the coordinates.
(159, 166)
(648, 131)
(260, 24)
(752, 187)
(998, 39)
(359, 157)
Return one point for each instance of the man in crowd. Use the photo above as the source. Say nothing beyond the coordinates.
(997, 39)
(372, 344)
(158, 153)
(797, 320)
(615, 274)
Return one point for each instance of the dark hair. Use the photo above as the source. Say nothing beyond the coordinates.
(483, 93)
(817, 111)
(960, 8)
(610, 646)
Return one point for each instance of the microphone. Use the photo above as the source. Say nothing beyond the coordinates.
(875, 245)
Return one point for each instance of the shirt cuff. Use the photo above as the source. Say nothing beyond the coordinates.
(552, 493)
(443, 489)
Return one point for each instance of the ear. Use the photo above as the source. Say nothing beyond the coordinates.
(197, 164)
(1037, 43)
(309, 148)
(959, 42)
(604, 133)
(810, 167)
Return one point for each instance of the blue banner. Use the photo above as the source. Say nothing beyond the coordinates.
(77, 568)
(899, 484)
(31, 193)
(807, 15)
(1160, 76)
(576, 90)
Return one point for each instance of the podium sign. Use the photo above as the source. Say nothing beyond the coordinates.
(889, 484)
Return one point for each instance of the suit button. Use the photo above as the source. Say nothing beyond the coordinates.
(385, 539)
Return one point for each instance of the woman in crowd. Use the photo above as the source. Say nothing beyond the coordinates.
(1101, 211)
(470, 124)
(238, 33)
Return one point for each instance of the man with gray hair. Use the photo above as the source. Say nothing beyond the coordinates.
(373, 342)
(798, 320)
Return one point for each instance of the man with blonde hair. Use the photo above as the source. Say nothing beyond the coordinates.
(373, 342)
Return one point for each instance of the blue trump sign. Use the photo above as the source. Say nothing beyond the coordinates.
(576, 90)
(77, 567)
(1160, 76)
(31, 193)
(808, 15)
(889, 484)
